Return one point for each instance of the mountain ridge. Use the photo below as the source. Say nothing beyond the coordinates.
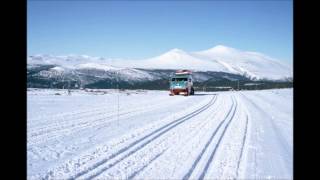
(253, 65)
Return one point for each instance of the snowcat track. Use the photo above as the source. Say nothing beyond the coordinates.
(165, 129)
(233, 110)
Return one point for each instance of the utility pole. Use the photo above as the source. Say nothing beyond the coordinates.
(69, 90)
(62, 82)
(238, 85)
(118, 97)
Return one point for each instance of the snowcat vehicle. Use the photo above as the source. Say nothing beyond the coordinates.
(181, 83)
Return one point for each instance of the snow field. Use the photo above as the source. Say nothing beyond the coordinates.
(224, 135)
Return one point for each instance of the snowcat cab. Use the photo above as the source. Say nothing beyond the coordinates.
(181, 83)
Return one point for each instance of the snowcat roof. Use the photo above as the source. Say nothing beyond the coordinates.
(187, 72)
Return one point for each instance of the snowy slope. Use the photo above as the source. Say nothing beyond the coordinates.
(123, 73)
(254, 64)
(219, 58)
(69, 61)
(225, 135)
(96, 65)
(179, 59)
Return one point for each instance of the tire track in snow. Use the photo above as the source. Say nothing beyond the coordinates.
(140, 143)
(242, 146)
(281, 139)
(146, 165)
(210, 141)
(69, 118)
(274, 132)
(226, 161)
(57, 130)
(95, 108)
(188, 140)
(78, 114)
(219, 141)
(173, 137)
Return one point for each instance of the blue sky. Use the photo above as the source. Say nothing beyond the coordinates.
(144, 29)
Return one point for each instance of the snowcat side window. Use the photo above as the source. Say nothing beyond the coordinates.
(173, 79)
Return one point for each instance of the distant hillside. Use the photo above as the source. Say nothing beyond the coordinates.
(53, 76)
(253, 65)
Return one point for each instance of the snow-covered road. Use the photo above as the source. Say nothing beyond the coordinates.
(151, 135)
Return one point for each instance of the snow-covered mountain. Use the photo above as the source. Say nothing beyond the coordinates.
(179, 59)
(218, 59)
(221, 59)
(252, 64)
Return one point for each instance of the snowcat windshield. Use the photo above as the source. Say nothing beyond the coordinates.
(179, 79)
